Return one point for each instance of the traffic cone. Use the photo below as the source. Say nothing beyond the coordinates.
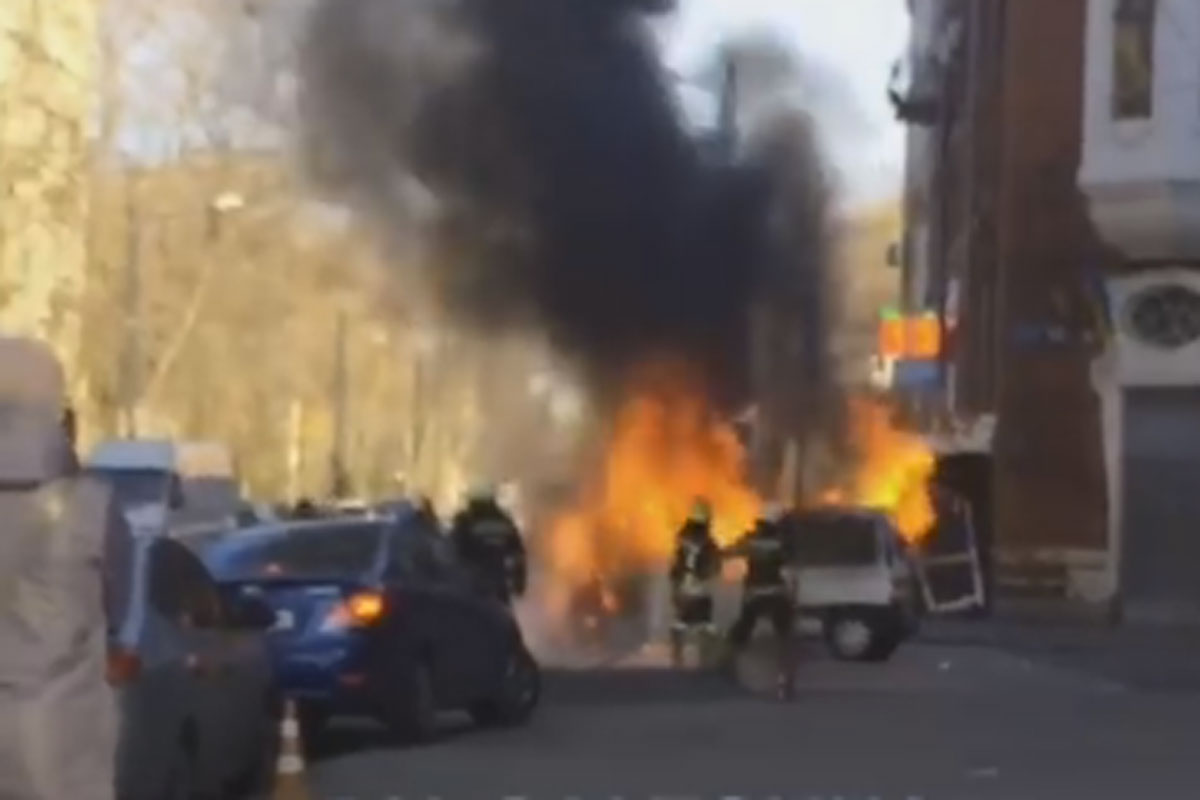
(290, 783)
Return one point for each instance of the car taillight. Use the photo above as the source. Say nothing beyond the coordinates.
(123, 666)
(356, 611)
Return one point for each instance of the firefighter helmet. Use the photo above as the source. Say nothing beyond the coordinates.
(701, 511)
(772, 512)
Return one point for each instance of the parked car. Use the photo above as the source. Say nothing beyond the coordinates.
(856, 577)
(375, 618)
(198, 708)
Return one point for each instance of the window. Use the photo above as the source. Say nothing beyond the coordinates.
(180, 588)
(325, 551)
(133, 487)
(1133, 59)
(832, 540)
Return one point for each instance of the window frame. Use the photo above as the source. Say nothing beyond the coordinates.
(248, 557)
(1135, 24)
(190, 612)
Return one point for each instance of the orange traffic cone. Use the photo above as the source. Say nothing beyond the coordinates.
(290, 783)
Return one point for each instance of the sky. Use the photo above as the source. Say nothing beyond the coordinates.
(852, 42)
(847, 46)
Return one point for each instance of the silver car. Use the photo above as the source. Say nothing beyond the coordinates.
(197, 702)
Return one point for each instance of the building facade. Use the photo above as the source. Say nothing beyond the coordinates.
(1000, 244)
(1140, 172)
(47, 55)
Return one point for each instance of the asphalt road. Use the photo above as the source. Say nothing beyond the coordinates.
(939, 722)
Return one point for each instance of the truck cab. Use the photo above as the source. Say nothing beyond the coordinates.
(166, 487)
(856, 579)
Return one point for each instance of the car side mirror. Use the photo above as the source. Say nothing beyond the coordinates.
(251, 613)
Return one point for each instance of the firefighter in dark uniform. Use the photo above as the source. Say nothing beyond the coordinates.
(426, 511)
(768, 592)
(489, 543)
(306, 509)
(697, 562)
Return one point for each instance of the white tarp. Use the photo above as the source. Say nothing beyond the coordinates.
(58, 725)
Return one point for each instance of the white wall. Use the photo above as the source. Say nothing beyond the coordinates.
(1129, 363)
(1143, 175)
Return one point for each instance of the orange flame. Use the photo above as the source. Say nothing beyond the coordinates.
(666, 449)
(893, 469)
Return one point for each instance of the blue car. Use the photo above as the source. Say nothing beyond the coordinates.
(375, 618)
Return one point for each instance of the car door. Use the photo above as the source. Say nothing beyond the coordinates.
(490, 621)
(156, 702)
(439, 616)
(237, 671)
(240, 669)
(195, 607)
(248, 681)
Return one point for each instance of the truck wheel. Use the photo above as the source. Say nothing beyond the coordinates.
(860, 636)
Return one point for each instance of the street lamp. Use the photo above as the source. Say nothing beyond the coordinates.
(218, 205)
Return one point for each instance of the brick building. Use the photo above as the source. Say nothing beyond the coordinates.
(999, 243)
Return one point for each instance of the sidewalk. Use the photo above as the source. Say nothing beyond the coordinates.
(1152, 659)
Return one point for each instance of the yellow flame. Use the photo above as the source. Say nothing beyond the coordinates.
(666, 449)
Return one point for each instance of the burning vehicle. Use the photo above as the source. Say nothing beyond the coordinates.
(856, 577)
(858, 548)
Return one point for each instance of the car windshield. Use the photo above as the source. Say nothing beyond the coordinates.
(326, 551)
(836, 541)
(134, 487)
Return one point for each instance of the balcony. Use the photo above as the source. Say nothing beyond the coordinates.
(1140, 169)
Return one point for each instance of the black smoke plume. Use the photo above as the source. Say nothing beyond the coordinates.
(535, 149)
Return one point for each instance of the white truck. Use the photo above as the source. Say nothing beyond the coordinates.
(169, 487)
(856, 580)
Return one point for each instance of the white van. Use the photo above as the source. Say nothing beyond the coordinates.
(856, 580)
(170, 487)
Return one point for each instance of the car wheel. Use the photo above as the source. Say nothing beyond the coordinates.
(519, 694)
(414, 714)
(860, 636)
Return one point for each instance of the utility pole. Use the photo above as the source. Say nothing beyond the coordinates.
(337, 461)
(131, 377)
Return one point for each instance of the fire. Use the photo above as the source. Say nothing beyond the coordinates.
(893, 469)
(666, 449)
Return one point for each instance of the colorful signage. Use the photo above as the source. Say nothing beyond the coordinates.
(914, 337)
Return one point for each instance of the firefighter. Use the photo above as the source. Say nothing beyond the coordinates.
(489, 543)
(426, 511)
(305, 509)
(768, 592)
(696, 563)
